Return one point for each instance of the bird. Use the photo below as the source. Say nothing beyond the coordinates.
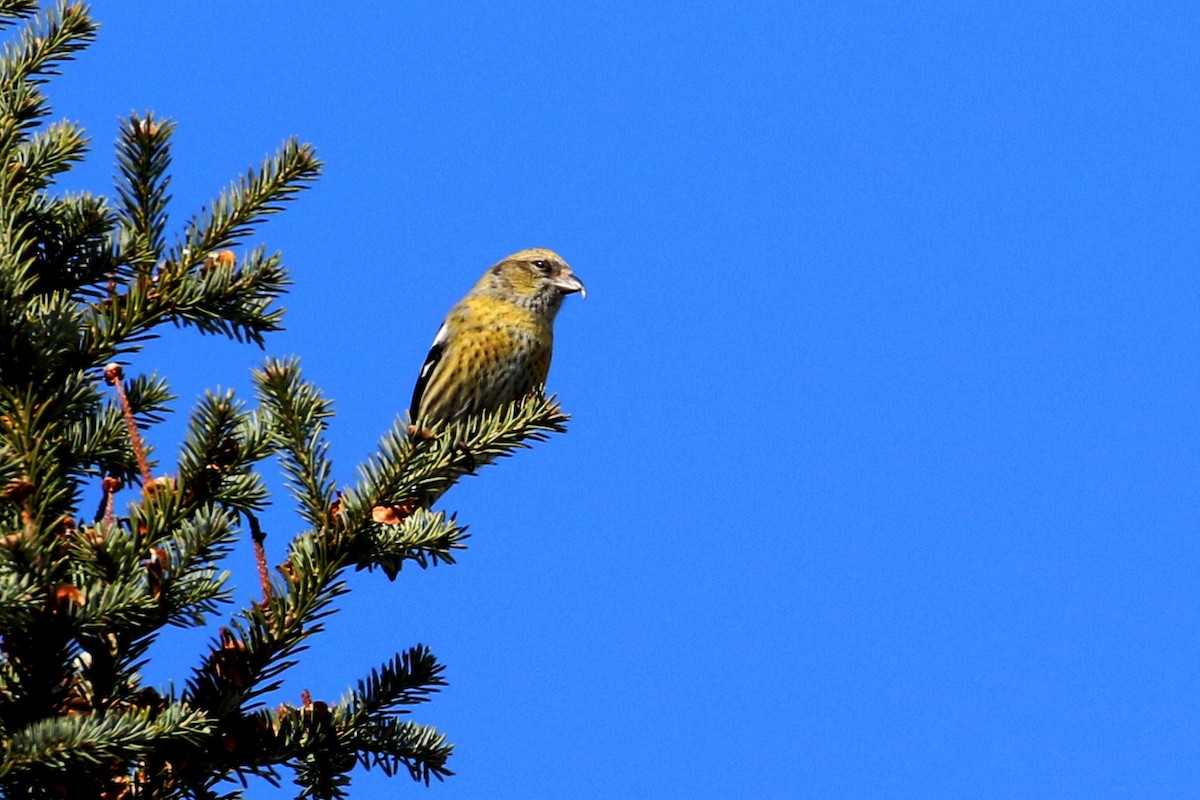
(494, 346)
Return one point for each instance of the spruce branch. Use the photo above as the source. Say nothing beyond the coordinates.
(91, 743)
(143, 157)
(31, 433)
(233, 299)
(246, 202)
(99, 441)
(101, 446)
(223, 444)
(322, 742)
(13, 10)
(392, 744)
(198, 284)
(67, 240)
(149, 398)
(297, 414)
(183, 574)
(414, 469)
(424, 537)
(47, 153)
(173, 577)
(247, 660)
(406, 680)
(55, 36)
(50, 39)
(220, 297)
(19, 601)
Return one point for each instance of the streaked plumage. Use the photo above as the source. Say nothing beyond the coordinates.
(496, 343)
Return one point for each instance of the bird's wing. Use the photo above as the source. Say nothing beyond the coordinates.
(431, 361)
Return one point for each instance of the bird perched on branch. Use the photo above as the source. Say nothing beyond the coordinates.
(495, 344)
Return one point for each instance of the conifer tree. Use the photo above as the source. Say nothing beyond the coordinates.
(85, 281)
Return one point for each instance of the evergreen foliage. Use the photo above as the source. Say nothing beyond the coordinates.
(85, 281)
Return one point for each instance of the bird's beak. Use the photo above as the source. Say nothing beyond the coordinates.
(567, 283)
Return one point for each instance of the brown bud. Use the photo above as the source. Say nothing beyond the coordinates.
(17, 490)
(392, 515)
(75, 703)
(66, 593)
(113, 373)
(154, 576)
(228, 662)
(420, 433)
(161, 483)
(149, 698)
(384, 515)
(288, 571)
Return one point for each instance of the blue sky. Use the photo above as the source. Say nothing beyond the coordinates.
(882, 478)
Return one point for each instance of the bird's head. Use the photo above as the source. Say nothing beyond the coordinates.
(536, 278)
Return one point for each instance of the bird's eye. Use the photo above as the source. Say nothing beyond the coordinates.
(544, 266)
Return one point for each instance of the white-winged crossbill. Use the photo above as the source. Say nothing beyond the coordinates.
(496, 343)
